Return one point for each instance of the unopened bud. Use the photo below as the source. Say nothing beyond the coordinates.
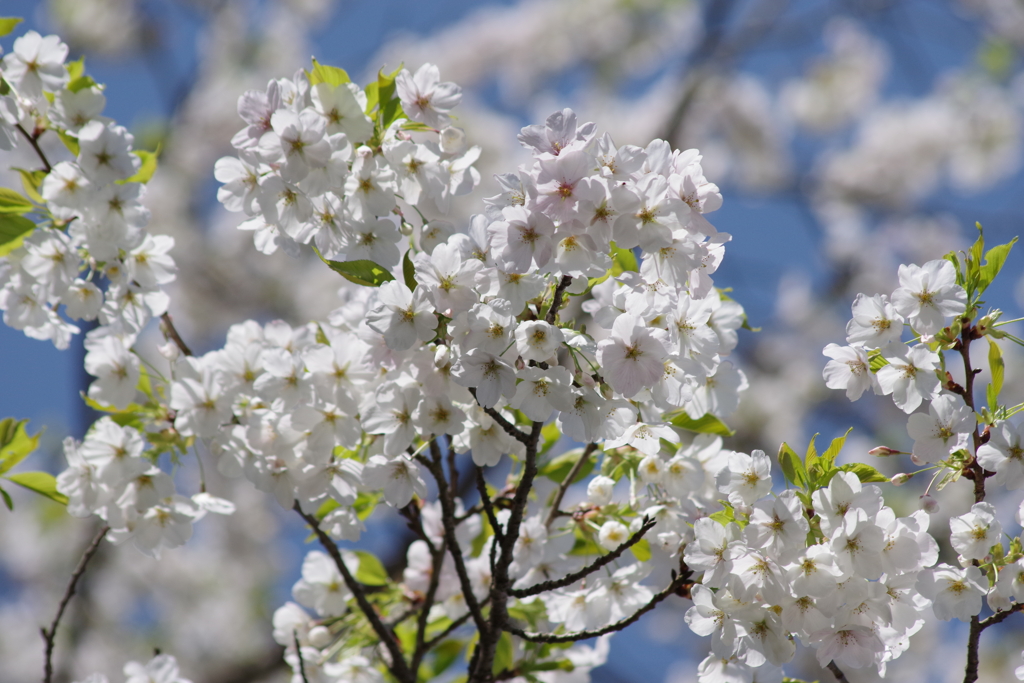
(319, 637)
(442, 356)
(916, 459)
(170, 351)
(901, 479)
(929, 504)
(883, 451)
(453, 140)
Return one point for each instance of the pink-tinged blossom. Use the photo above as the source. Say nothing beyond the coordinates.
(399, 477)
(746, 478)
(849, 369)
(956, 593)
(1004, 454)
(928, 295)
(521, 239)
(425, 98)
(974, 533)
(558, 134)
(538, 340)
(343, 108)
(402, 316)
(449, 278)
(850, 645)
(557, 182)
(875, 322)
(909, 376)
(489, 374)
(633, 358)
(943, 430)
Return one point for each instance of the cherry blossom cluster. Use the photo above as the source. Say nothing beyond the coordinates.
(160, 669)
(85, 251)
(312, 166)
(940, 303)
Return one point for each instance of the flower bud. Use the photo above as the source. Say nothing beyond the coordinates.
(612, 535)
(901, 479)
(442, 356)
(916, 459)
(319, 637)
(170, 351)
(883, 451)
(599, 490)
(453, 140)
(929, 504)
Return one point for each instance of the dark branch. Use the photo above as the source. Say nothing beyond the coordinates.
(677, 582)
(570, 579)
(302, 662)
(436, 560)
(556, 302)
(50, 634)
(398, 667)
(34, 141)
(172, 334)
(567, 482)
(502, 422)
(837, 672)
(488, 504)
(1001, 616)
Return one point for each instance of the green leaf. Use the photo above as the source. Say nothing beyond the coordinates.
(363, 272)
(326, 508)
(557, 469)
(146, 170)
(829, 457)
(7, 499)
(641, 550)
(876, 361)
(623, 260)
(793, 467)
(371, 572)
(13, 202)
(43, 483)
(7, 25)
(996, 367)
(811, 456)
(15, 443)
(995, 258)
(331, 75)
(12, 229)
(866, 473)
(80, 83)
(445, 654)
(725, 516)
(76, 69)
(709, 424)
(503, 654)
(70, 142)
(549, 436)
(409, 271)
(32, 181)
(416, 126)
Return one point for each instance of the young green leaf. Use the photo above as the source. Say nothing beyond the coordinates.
(866, 473)
(13, 228)
(641, 550)
(557, 469)
(409, 272)
(829, 457)
(363, 272)
(995, 258)
(997, 367)
(793, 467)
(43, 483)
(504, 653)
(15, 443)
(13, 202)
(146, 170)
(7, 25)
(7, 500)
(371, 572)
(708, 424)
(331, 75)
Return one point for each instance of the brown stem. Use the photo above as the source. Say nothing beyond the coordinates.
(298, 653)
(172, 333)
(567, 482)
(678, 581)
(570, 579)
(398, 667)
(556, 301)
(973, 643)
(1001, 616)
(50, 634)
(509, 428)
(837, 672)
(34, 141)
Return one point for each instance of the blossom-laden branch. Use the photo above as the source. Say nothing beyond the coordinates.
(397, 666)
(679, 581)
(567, 482)
(556, 301)
(1001, 615)
(569, 579)
(51, 633)
(509, 428)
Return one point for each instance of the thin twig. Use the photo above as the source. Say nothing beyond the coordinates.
(436, 560)
(398, 667)
(171, 332)
(556, 301)
(1001, 616)
(837, 672)
(448, 520)
(302, 662)
(675, 585)
(567, 482)
(32, 140)
(570, 579)
(50, 634)
(509, 428)
(487, 503)
(429, 645)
